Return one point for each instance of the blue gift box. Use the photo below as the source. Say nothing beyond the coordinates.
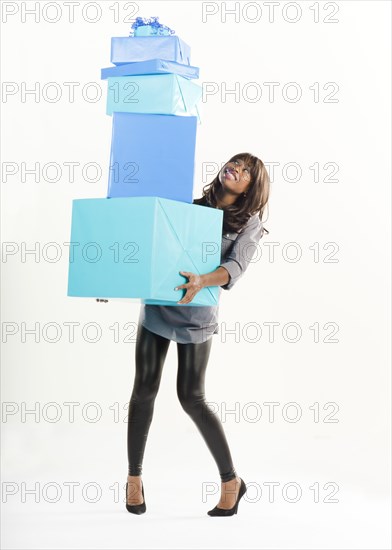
(135, 247)
(166, 94)
(149, 30)
(140, 48)
(152, 66)
(152, 155)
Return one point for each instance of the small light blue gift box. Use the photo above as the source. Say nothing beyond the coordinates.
(149, 30)
(126, 49)
(152, 66)
(135, 248)
(152, 155)
(165, 94)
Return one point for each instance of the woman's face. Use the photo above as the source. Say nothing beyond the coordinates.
(235, 176)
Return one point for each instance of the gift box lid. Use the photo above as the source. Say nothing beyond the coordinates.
(151, 66)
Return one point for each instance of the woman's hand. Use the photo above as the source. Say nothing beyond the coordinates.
(194, 285)
(101, 300)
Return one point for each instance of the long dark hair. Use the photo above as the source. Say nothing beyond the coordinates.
(236, 215)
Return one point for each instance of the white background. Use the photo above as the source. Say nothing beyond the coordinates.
(352, 292)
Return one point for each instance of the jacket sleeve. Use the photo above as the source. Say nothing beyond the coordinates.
(244, 247)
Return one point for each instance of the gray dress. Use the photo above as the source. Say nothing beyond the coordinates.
(196, 324)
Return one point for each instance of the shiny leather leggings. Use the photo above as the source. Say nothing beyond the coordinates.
(150, 354)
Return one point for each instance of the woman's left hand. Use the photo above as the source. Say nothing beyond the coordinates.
(194, 285)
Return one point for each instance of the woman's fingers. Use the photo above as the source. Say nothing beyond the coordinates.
(185, 300)
(185, 285)
(192, 286)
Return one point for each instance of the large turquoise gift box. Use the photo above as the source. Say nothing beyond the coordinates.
(152, 155)
(135, 247)
(166, 94)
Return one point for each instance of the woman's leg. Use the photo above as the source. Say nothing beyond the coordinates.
(192, 364)
(150, 354)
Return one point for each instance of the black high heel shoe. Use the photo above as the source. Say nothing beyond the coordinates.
(231, 511)
(135, 508)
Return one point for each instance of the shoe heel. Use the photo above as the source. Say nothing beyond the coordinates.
(240, 494)
(231, 511)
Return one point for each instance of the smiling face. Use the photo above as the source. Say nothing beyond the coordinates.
(235, 176)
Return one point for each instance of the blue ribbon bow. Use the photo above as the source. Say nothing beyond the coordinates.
(157, 28)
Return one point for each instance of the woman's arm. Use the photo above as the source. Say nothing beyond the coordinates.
(231, 268)
(240, 256)
(216, 278)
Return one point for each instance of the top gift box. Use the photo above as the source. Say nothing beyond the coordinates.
(129, 49)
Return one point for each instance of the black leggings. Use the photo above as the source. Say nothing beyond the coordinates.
(150, 354)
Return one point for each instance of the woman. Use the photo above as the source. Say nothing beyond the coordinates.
(241, 190)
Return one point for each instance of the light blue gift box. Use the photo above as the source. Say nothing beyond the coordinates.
(148, 30)
(152, 66)
(165, 94)
(135, 248)
(152, 155)
(126, 49)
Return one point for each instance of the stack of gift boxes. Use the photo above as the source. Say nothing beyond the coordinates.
(134, 243)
